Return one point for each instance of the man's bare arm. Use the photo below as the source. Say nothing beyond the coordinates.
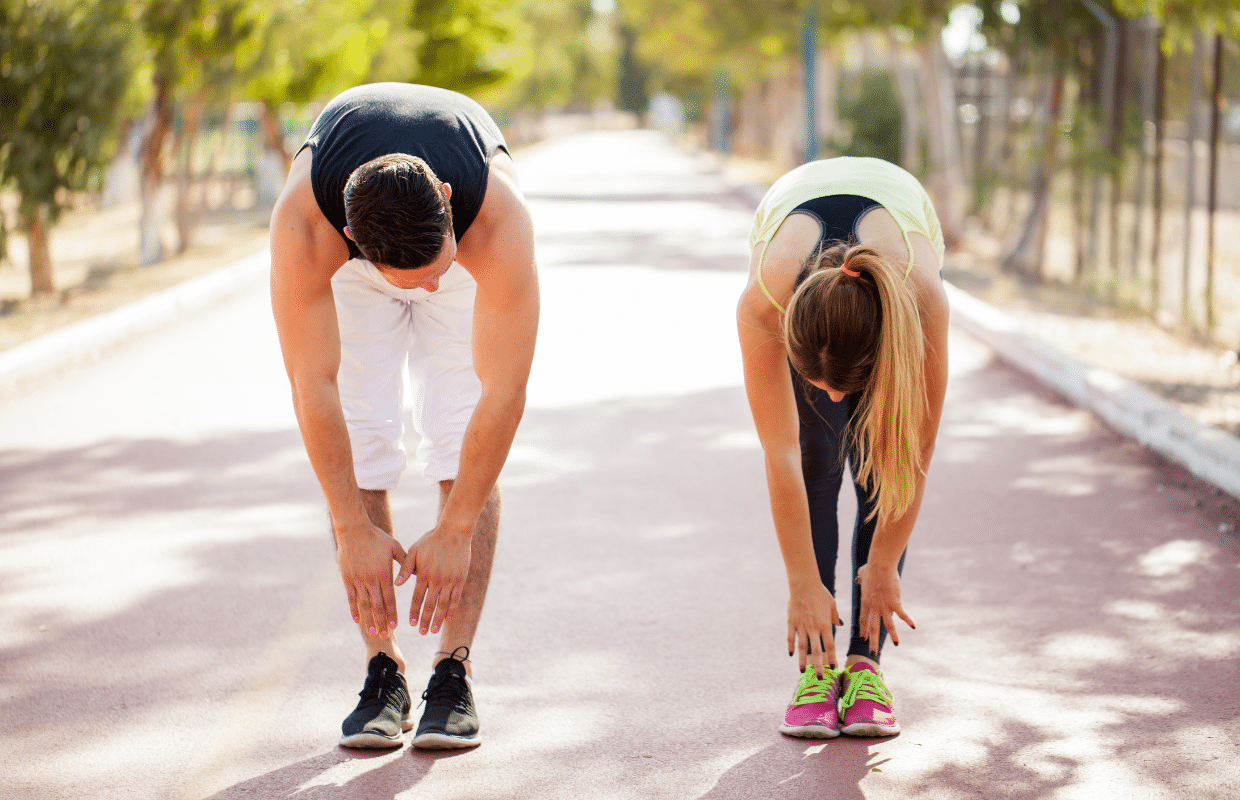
(498, 250)
(305, 252)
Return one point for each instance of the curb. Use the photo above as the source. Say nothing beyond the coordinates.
(1209, 453)
(87, 341)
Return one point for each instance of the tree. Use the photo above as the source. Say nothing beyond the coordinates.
(307, 50)
(559, 53)
(64, 71)
(458, 37)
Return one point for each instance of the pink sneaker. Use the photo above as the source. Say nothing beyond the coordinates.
(812, 713)
(866, 708)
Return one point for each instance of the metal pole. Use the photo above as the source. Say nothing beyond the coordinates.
(1106, 100)
(809, 52)
(1160, 94)
(1213, 190)
(1190, 183)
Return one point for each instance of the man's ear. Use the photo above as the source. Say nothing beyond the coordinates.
(447, 190)
(349, 233)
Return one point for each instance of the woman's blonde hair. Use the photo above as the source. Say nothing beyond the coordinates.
(853, 325)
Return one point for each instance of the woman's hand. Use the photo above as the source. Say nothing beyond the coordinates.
(880, 604)
(811, 613)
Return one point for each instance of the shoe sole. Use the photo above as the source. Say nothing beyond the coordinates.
(442, 741)
(869, 729)
(808, 731)
(372, 740)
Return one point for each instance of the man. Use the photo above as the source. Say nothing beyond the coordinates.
(401, 238)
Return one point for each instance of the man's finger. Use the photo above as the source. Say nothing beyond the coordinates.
(432, 602)
(389, 605)
(366, 606)
(353, 610)
(458, 594)
(441, 611)
(380, 610)
(419, 594)
(408, 566)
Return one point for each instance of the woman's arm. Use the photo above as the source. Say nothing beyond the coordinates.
(768, 384)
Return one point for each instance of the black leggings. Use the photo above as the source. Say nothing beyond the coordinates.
(823, 426)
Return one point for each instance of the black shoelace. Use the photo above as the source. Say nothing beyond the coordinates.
(447, 689)
(382, 689)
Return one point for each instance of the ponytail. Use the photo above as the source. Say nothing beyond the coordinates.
(853, 325)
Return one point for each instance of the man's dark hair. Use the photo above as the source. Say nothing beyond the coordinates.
(397, 212)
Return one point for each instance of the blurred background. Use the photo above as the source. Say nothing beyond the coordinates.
(1093, 144)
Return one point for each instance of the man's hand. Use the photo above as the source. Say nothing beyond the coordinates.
(811, 612)
(880, 604)
(365, 560)
(440, 559)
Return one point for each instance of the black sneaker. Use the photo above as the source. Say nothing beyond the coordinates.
(449, 720)
(382, 715)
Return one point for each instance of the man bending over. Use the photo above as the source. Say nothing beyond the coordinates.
(402, 239)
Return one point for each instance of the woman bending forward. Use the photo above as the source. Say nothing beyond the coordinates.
(843, 330)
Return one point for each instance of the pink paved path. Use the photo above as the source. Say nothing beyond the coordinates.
(171, 624)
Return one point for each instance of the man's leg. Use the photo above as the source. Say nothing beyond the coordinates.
(460, 631)
(375, 329)
(383, 711)
(379, 509)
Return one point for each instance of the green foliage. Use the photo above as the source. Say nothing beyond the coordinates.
(308, 50)
(872, 108)
(65, 69)
(458, 36)
(684, 43)
(560, 52)
(1181, 16)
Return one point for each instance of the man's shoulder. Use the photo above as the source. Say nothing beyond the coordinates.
(298, 216)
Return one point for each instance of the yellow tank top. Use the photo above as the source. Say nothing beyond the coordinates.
(881, 181)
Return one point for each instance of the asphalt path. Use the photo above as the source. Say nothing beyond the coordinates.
(172, 625)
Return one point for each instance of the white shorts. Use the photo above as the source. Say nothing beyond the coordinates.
(387, 335)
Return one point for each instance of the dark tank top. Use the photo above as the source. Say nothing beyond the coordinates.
(449, 131)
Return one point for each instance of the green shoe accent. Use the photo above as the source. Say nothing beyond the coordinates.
(813, 689)
(864, 685)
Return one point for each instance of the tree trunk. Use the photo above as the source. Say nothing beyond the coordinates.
(1027, 255)
(1156, 191)
(42, 279)
(1119, 100)
(945, 168)
(1149, 64)
(910, 106)
(159, 124)
(1104, 74)
(1212, 194)
(275, 163)
(981, 136)
(188, 215)
(1190, 183)
(273, 136)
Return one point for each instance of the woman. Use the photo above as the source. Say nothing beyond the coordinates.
(844, 286)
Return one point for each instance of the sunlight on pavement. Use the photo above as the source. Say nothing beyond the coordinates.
(1173, 558)
(1086, 649)
(221, 755)
(618, 331)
